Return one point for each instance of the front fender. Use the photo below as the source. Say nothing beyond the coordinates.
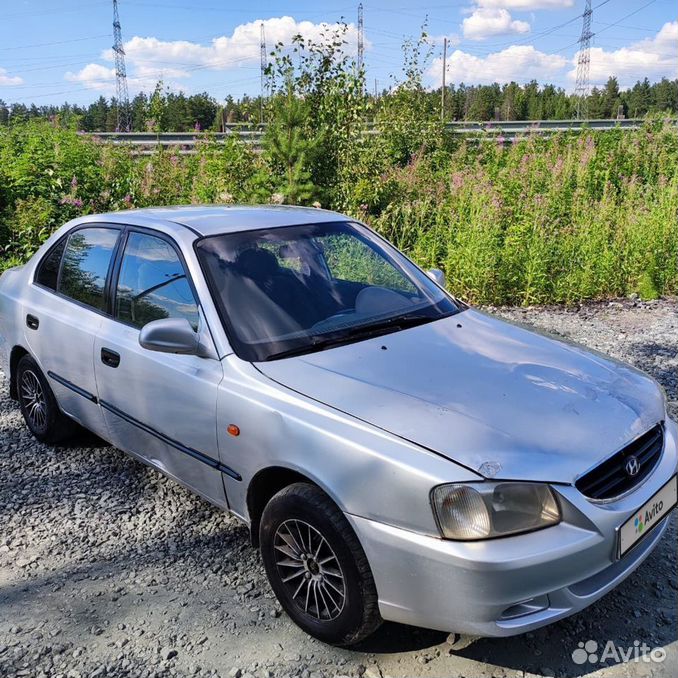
(366, 471)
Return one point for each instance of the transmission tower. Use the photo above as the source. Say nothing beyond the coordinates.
(263, 64)
(361, 38)
(122, 104)
(582, 88)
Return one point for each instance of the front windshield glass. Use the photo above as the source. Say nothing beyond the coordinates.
(297, 289)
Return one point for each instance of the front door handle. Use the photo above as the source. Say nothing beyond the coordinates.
(110, 358)
(32, 322)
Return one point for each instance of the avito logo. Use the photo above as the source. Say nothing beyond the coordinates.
(638, 652)
(641, 522)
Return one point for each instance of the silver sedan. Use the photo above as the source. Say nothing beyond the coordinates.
(396, 454)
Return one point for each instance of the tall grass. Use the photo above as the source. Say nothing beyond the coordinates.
(560, 219)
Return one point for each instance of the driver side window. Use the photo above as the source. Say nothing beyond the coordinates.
(153, 283)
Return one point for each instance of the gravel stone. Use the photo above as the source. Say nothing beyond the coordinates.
(107, 568)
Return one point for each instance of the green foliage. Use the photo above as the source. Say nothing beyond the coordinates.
(575, 216)
(289, 149)
(330, 103)
(544, 220)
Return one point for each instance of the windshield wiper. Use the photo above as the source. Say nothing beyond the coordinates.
(320, 342)
(397, 322)
(297, 350)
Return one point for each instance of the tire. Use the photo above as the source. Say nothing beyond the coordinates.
(336, 599)
(38, 405)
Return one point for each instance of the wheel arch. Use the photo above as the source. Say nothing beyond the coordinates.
(263, 486)
(17, 353)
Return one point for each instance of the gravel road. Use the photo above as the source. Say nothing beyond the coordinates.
(109, 569)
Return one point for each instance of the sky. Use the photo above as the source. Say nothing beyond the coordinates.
(60, 50)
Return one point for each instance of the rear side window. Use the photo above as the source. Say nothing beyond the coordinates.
(153, 284)
(85, 265)
(48, 270)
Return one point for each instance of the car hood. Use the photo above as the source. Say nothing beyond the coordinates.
(503, 401)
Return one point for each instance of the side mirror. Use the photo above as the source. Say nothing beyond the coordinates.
(437, 276)
(170, 335)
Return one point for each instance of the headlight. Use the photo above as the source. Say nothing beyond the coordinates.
(485, 510)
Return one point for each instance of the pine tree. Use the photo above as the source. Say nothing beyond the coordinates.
(289, 149)
(611, 100)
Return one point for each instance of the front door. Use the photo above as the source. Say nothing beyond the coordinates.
(159, 406)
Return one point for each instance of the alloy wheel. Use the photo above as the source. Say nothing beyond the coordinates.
(33, 399)
(309, 569)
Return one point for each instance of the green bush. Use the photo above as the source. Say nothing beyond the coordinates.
(559, 219)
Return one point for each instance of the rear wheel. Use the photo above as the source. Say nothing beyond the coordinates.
(316, 566)
(39, 406)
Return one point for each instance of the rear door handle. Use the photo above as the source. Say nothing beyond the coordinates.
(32, 322)
(110, 358)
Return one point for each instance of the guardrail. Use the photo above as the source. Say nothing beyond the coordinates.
(145, 142)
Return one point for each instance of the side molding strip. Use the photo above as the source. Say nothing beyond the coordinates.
(69, 384)
(205, 459)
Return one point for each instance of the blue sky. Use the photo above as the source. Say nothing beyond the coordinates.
(56, 50)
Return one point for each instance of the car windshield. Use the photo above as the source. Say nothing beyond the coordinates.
(297, 289)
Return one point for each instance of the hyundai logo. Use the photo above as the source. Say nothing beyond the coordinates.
(632, 466)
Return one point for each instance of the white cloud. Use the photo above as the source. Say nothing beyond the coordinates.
(453, 39)
(526, 5)
(149, 59)
(94, 76)
(486, 22)
(652, 58)
(6, 79)
(518, 62)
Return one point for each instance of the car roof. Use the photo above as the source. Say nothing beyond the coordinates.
(208, 220)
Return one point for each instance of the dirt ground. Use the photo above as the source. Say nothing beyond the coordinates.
(109, 569)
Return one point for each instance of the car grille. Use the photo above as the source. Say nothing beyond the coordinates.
(611, 478)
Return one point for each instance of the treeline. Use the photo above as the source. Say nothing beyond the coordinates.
(166, 111)
(532, 102)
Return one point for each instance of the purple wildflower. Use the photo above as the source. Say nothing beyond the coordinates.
(70, 200)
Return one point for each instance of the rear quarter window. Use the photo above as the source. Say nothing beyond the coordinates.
(48, 269)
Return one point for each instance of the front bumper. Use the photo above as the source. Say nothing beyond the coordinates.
(503, 587)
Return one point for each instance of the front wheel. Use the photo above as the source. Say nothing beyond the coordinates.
(39, 406)
(317, 567)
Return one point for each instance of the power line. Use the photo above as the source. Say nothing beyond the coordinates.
(626, 16)
(58, 42)
(543, 33)
(56, 10)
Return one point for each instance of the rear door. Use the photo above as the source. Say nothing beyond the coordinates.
(159, 406)
(63, 312)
